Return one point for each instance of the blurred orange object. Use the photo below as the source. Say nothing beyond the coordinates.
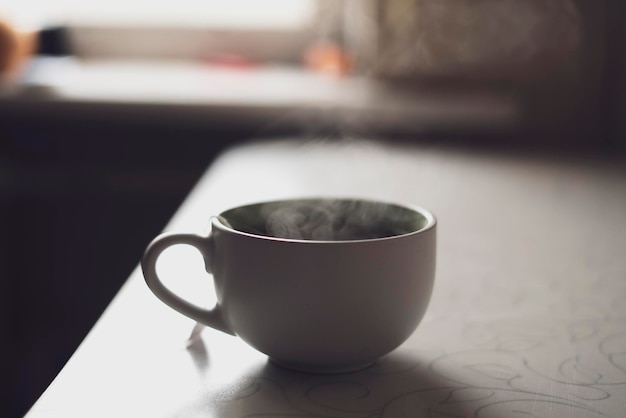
(15, 47)
(328, 58)
(231, 61)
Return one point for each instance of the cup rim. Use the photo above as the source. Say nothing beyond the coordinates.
(218, 221)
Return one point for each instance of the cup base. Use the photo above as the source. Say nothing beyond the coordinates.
(316, 369)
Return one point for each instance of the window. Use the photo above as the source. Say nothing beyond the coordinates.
(262, 29)
(204, 13)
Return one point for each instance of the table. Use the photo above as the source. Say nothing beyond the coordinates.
(527, 317)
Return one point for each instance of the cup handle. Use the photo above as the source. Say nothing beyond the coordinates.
(210, 317)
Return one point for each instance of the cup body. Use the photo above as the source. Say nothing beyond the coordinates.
(321, 306)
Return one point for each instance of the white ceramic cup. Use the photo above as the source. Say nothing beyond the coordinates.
(316, 298)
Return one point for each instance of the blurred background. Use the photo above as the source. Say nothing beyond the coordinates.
(110, 112)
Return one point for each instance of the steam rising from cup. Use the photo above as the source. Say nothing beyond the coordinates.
(334, 220)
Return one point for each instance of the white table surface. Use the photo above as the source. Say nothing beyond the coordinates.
(527, 317)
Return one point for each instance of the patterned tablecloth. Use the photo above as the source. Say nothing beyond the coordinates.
(527, 318)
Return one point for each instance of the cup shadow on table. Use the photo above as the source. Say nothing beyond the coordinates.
(395, 386)
(421, 384)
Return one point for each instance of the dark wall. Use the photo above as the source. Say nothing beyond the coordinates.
(615, 76)
(79, 201)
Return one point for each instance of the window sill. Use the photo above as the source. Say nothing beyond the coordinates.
(202, 94)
